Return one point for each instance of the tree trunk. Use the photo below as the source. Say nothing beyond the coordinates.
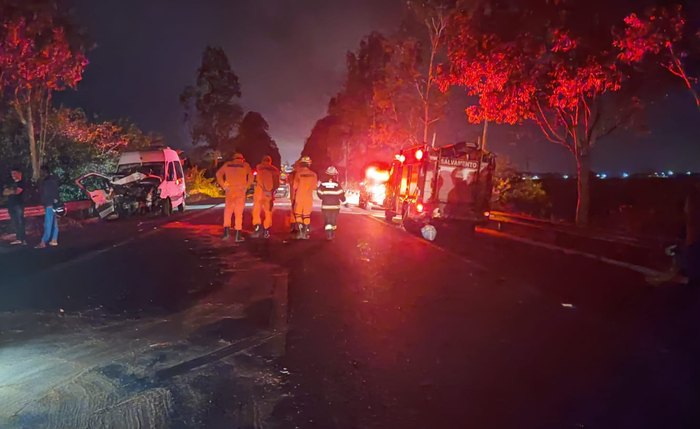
(583, 169)
(33, 148)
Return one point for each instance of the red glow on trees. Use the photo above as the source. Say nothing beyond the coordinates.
(550, 78)
(37, 60)
(657, 34)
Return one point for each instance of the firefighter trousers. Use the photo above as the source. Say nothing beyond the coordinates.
(302, 209)
(262, 202)
(330, 217)
(235, 204)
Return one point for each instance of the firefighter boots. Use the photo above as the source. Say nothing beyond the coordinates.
(256, 231)
(227, 233)
(266, 233)
(239, 237)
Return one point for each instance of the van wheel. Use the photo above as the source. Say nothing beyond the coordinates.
(167, 207)
(182, 207)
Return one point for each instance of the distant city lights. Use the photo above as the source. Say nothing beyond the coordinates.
(602, 176)
(566, 176)
(625, 175)
(669, 172)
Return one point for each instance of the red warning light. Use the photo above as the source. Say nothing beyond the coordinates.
(400, 158)
(419, 208)
(419, 154)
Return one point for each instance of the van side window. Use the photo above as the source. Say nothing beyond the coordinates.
(171, 174)
(178, 170)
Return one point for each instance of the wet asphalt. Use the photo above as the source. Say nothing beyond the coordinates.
(386, 330)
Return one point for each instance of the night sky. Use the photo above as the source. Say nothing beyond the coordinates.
(290, 57)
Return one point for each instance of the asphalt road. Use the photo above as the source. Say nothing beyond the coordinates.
(384, 329)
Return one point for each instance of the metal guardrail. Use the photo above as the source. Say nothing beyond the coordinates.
(590, 233)
(640, 251)
(34, 211)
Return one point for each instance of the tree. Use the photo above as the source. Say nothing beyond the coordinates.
(659, 34)
(435, 16)
(37, 60)
(546, 74)
(107, 138)
(212, 109)
(254, 141)
(325, 144)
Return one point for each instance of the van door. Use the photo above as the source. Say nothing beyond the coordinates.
(179, 187)
(169, 186)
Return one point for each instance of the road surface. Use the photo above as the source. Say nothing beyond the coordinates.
(159, 321)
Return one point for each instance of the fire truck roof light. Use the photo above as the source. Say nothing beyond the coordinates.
(419, 208)
(419, 154)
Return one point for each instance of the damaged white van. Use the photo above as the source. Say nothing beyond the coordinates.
(147, 181)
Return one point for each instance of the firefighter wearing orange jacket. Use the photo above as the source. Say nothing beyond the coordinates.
(268, 180)
(304, 185)
(235, 177)
(292, 196)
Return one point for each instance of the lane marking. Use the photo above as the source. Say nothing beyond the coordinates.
(649, 272)
(633, 267)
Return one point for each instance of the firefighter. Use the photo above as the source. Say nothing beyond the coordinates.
(268, 180)
(304, 185)
(332, 196)
(290, 182)
(235, 177)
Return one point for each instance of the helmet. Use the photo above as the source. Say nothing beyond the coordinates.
(267, 159)
(238, 155)
(428, 232)
(305, 160)
(332, 171)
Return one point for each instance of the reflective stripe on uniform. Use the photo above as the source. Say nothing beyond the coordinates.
(330, 207)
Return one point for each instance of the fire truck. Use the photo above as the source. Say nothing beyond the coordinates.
(435, 185)
(373, 187)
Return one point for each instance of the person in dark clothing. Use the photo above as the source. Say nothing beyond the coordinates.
(15, 206)
(686, 255)
(691, 261)
(48, 190)
(332, 196)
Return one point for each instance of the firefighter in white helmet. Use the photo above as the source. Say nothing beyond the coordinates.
(332, 196)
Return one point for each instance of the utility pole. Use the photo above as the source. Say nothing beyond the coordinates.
(483, 135)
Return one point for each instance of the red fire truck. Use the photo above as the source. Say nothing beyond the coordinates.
(449, 183)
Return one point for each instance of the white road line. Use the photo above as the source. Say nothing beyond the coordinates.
(633, 267)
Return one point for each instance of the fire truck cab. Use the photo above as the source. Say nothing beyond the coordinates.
(449, 183)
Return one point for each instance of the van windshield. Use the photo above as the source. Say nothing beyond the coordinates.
(151, 168)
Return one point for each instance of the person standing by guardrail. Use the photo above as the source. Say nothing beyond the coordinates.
(48, 191)
(15, 194)
(692, 236)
